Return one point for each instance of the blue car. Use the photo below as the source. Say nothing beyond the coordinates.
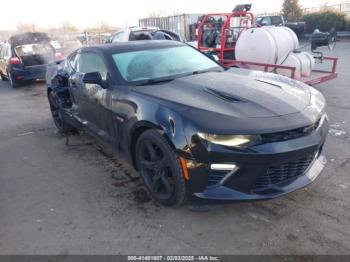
(25, 58)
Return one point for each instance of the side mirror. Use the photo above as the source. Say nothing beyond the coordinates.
(94, 78)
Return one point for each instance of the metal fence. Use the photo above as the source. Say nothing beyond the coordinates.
(179, 23)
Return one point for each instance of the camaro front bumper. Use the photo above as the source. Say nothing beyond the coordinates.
(263, 172)
(222, 192)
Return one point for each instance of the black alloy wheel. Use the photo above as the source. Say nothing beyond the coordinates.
(160, 168)
(57, 116)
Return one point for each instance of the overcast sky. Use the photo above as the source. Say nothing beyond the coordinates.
(87, 13)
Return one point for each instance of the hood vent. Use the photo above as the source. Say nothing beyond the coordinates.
(223, 95)
(270, 82)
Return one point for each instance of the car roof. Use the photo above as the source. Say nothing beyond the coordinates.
(145, 28)
(28, 38)
(122, 47)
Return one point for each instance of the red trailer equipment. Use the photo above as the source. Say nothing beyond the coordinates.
(226, 28)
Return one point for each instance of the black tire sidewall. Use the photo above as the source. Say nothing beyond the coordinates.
(65, 128)
(178, 196)
(3, 77)
(13, 83)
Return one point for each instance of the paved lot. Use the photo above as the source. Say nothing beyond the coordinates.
(80, 199)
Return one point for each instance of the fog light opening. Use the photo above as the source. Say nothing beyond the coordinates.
(223, 167)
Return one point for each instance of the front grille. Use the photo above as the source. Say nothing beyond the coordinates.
(215, 177)
(287, 171)
(290, 134)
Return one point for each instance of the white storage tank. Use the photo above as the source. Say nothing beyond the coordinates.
(268, 44)
(292, 61)
(308, 63)
(302, 61)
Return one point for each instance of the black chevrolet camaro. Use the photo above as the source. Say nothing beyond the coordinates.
(193, 129)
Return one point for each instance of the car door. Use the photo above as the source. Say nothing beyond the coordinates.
(75, 84)
(95, 99)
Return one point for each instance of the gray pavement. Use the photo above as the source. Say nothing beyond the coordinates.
(82, 199)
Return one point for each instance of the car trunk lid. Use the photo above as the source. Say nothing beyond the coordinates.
(33, 49)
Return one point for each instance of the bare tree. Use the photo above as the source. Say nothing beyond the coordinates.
(27, 27)
(67, 27)
(175, 12)
(291, 10)
(155, 14)
(104, 27)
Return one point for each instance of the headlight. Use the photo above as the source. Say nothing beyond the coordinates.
(230, 140)
(317, 100)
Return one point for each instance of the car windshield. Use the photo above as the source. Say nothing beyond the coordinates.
(257, 20)
(162, 64)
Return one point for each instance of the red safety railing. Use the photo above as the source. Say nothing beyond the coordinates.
(326, 75)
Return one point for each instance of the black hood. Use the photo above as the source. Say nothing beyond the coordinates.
(232, 95)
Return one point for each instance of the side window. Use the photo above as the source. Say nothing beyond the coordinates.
(72, 61)
(91, 62)
(266, 21)
(8, 53)
(276, 20)
(132, 36)
(118, 37)
(70, 64)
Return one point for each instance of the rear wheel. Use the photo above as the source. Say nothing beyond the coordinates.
(13, 82)
(160, 168)
(57, 116)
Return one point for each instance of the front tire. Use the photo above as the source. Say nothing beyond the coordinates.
(3, 77)
(57, 115)
(160, 168)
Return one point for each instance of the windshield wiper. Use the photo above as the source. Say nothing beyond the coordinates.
(160, 80)
(206, 71)
(154, 81)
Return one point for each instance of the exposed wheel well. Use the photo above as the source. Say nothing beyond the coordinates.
(136, 134)
(63, 96)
